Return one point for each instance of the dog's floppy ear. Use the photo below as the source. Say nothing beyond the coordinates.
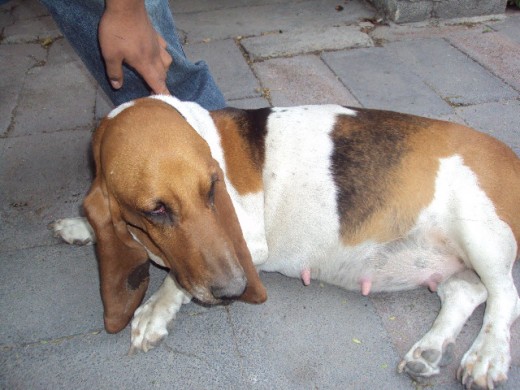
(123, 262)
(255, 291)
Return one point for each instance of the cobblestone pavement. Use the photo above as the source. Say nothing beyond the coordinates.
(264, 52)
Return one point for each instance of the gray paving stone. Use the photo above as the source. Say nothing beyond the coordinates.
(395, 32)
(103, 104)
(501, 120)
(305, 41)
(27, 9)
(495, 52)
(3, 147)
(49, 292)
(433, 59)
(379, 80)
(6, 18)
(257, 19)
(61, 52)
(189, 6)
(44, 177)
(15, 61)
(199, 355)
(510, 26)
(251, 103)
(71, 108)
(228, 67)
(31, 30)
(317, 336)
(301, 80)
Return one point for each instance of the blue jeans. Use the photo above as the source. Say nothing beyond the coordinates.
(78, 20)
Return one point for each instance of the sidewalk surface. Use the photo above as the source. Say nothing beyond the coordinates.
(263, 52)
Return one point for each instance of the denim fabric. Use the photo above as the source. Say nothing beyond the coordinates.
(79, 19)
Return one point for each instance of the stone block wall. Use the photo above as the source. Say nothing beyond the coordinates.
(405, 11)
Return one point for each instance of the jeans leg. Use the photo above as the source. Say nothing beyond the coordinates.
(79, 19)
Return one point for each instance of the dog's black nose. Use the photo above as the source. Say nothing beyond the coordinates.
(232, 289)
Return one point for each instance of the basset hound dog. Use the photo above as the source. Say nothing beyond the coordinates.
(364, 199)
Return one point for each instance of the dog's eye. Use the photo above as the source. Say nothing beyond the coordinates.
(161, 214)
(159, 210)
(211, 193)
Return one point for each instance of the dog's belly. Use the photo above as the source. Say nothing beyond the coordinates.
(425, 257)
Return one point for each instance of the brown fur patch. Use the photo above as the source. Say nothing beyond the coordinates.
(384, 165)
(242, 134)
(498, 171)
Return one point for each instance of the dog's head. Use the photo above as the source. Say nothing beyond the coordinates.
(156, 181)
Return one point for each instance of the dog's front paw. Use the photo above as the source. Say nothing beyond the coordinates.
(74, 231)
(485, 365)
(150, 325)
(424, 360)
(151, 320)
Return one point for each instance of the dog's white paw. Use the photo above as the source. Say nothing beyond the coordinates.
(151, 320)
(425, 359)
(74, 231)
(485, 365)
(149, 326)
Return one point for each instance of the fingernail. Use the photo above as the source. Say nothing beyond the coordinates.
(115, 84)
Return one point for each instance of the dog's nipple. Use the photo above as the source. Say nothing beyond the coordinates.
(306, 276)
(366, 285)
(433, 281)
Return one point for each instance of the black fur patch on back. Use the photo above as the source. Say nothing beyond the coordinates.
(252, 125)
(368, 147)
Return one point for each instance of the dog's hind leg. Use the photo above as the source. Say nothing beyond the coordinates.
(460, 295)
(487, 362)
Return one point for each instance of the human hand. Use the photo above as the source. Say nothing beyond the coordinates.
(127, 35)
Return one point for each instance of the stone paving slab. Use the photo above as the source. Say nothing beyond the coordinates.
(250, 103)
(283, 44)
(202, 355)
(15, 62)
(72, 108)
(314, 83)
(228, 66)
(31, 30)
(379, 80)
(493, 51)
(433, 59)
(31, 279)
(317, 336)
(510, 26)
(259, 19)
(103, 105)
(499, 119)
(44, 177)
(22, 10)
(189, 6)
(390, 33)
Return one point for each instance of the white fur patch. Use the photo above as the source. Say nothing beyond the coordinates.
(119, 109)
(151, 319)
(76, 231)
(301, 219)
